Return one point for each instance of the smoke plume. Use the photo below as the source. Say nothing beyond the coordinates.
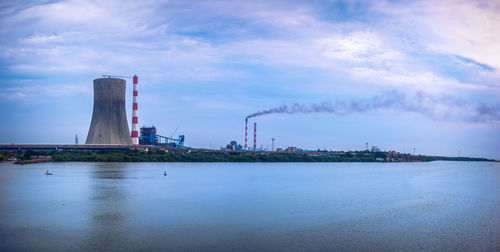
(444, 107)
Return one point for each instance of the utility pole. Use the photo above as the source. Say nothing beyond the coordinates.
(76, 139)
(272, 145)
(413, 151)
(366, 146)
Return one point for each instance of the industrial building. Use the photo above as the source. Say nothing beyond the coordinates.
(150, 137)
(233, 145)
(109, 119)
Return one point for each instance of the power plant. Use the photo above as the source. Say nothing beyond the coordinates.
(109, 129)
(109, 119)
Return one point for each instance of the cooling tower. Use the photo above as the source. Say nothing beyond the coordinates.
(109, 120)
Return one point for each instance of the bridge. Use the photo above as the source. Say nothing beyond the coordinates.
(21, 147)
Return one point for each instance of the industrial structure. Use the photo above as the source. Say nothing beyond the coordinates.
(246, 133)
(233, 145)
(150, 137)
(254, 136)
(109, 119)
(135, 116)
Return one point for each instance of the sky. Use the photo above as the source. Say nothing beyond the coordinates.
(313, 74)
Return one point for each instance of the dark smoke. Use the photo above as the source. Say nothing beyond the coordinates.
(445, 107)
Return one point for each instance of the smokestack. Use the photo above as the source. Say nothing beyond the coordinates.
(109, 119)
(135, 118)
(246, 133)
(254, 136)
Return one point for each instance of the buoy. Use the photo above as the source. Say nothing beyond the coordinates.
(164, 173)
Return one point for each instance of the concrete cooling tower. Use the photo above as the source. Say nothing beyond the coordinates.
(109, 119)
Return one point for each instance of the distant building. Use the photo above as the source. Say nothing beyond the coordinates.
(233, 145)
(279, 149)
(375, 149)
(291, 149)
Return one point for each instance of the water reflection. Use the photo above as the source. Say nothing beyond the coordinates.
(108, 213)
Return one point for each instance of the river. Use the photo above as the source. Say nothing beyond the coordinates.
(435, 206)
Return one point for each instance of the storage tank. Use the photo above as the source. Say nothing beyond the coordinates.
(109, 119)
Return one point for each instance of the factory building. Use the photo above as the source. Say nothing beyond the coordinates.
(233, 145)
(149, 136)
(109, 119)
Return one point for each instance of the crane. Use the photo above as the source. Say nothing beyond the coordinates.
(173, 132)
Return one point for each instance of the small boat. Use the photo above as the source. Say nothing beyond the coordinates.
(48, 173)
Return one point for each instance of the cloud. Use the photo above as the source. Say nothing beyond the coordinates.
(201, 41)
(474, 33)
(30, 92)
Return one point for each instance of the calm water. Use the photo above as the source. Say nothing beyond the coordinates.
(246, 206)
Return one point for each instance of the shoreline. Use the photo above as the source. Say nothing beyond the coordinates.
(33, 161)
(29, 157)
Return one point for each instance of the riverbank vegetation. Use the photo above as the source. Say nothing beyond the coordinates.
(218, 156)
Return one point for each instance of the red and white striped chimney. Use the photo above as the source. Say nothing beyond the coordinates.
(254, 136)
(246, 133)
(135, 118)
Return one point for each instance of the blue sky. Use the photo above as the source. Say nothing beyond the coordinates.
(425, 73)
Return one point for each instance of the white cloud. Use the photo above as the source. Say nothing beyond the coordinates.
(29, 92)
(126, 37)
(467, 28)
(358, 46)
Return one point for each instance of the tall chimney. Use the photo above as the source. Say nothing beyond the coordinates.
(254, 136)
(246, 133)
(135, 118)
